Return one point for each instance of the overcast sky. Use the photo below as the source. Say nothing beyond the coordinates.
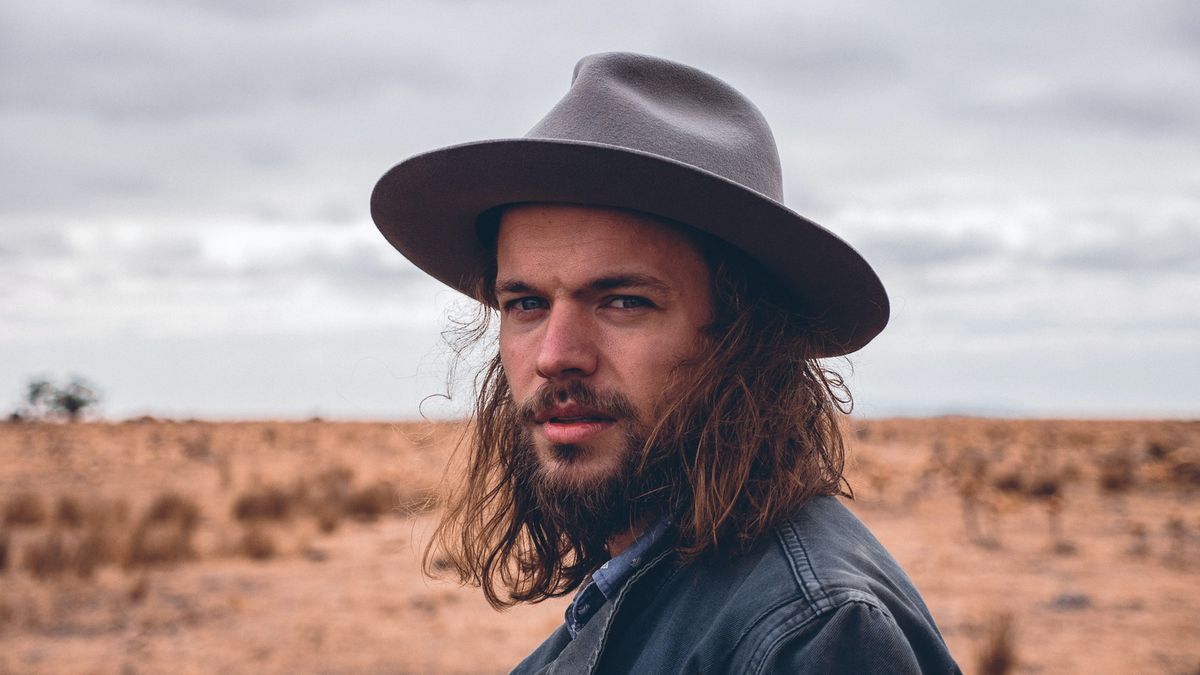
(184, 188)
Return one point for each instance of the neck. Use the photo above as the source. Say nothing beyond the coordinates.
(618, 543)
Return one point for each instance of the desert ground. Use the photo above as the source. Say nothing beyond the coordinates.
(191, 546)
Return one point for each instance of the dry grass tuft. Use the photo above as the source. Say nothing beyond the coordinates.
(24, 509)
(257, 543)
(1140, 546)
(1009, 482)
(1176, 530)
(1117, 472)
(1185, 473)
(164, 534)
(270, 502)
(139, 589)
(370, 502)
(1045, 487)
(1158, 449)
(999, 652)
(172, 507)
(329, 516)
(69, 512)
(48, 556)
(98, 546)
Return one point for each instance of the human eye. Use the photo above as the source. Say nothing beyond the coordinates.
(628, 302)
(524, 304)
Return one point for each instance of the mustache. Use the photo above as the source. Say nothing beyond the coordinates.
(611, 403)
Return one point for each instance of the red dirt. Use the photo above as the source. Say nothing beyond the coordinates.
(1115, 588)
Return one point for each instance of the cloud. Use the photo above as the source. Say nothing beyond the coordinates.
(194, 167)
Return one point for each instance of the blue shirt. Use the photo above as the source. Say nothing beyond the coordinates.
(607, 580)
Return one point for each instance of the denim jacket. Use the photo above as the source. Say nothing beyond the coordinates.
(820, 595)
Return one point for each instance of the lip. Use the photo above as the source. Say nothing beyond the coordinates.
(567, 424)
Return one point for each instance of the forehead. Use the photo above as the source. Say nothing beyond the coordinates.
(570, 240)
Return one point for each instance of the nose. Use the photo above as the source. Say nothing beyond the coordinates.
(567, 349)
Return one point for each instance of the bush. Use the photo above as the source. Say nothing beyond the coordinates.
(48, 556)
(68, 512)
(1118, 472)
(164, 534)
(257, 543)
(266, 503)
(370, 502)
(999, 654)
(172, 507)
(24, 509)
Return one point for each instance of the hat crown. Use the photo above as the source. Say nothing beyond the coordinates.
(671, 110)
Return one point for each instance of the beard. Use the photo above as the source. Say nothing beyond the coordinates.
(590, 510)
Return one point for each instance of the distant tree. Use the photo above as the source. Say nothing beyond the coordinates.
(77, 396)
(45, 400)
(39, 395)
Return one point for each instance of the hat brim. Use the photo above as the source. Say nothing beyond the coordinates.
(428, 207)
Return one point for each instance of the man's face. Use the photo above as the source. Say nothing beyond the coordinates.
(598, 307)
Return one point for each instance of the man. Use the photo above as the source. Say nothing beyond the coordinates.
(655, 433)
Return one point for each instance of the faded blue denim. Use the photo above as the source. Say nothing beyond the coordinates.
(820, 595)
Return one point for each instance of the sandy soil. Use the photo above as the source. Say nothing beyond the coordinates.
(1086, 534)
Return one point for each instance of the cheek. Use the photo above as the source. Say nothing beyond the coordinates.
(518, 366)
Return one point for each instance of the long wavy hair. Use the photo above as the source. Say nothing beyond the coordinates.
(750, 434)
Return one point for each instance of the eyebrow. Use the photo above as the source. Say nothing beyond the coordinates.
(605, 283)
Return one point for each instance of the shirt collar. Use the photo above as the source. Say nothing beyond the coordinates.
(612, 574)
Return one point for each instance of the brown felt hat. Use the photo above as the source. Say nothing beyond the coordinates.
(642, 133)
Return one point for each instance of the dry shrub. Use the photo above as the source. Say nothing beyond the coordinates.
(1009, 482)
(1185, 473)
(270, 502)
(1141, 540)
(999, 652)
(1048, 487)
(1177, 534)
(164, 534)
(172, 507)
(199, 446)
(329, 516)
(69, 512)
(1158, 449)
(257, 543)
(1117, 472)
(1045, 487)
(370, 502)
(966, 468)
(98, 546)
(47, 556)
(159, 544)
(139, 589)
(24, 509)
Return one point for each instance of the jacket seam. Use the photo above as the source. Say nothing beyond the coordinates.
(594, 658)
(797, 557)
(816, 607)
(762, 655)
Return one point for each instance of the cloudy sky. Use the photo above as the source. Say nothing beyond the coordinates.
(184, 188)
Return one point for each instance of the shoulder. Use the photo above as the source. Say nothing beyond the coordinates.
(819, 594)
(834, 558)
(851, 606)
